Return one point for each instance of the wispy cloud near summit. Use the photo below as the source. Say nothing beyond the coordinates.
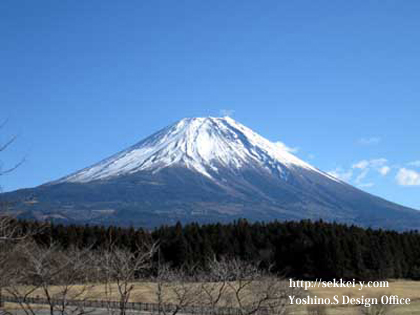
(226, 112)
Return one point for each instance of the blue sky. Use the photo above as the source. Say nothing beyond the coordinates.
(338, 80)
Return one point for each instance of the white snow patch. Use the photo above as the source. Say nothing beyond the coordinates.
(201, 144)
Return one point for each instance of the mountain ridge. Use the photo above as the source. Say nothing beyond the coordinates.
(173, 145)
(206, 170)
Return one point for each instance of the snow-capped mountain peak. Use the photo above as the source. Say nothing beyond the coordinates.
(207, 170)
(202, 144)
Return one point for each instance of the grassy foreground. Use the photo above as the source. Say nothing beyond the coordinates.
(145, 292)
(401, 288)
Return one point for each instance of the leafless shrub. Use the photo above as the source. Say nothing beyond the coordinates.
(120, 269)
(214, 285)
(176, 290)
(11, 233)
(52, 274)
(244, 286)
(12, 238)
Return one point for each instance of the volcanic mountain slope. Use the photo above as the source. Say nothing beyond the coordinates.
(206, 170)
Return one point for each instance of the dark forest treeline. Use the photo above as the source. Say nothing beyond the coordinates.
(302, 249)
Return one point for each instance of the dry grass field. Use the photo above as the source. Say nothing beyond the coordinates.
(401, 288)
(145, 292)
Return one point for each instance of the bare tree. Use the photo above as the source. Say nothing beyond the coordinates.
(238, 277)
(121, 268)
(12, 237)
(10, 231)
(176, 290)
(244, 286)
(12, 234)
(13, 269)
(214, 284)
(76, 282)
(55, 275)
(14, 240)
(271, 294)
(3, 147)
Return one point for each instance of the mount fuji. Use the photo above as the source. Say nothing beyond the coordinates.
(205, 170)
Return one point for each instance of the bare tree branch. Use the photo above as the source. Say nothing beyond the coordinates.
(121, 268)
(176, 290)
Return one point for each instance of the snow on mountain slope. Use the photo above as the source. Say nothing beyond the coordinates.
(206, 170)
(200, 144)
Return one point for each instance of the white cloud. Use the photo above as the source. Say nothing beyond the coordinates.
(226, 112)
(284, 147)
(369, 140)
(342, 174)
(377, 165)
(415, 163)
(384, 170)
(359, 171)
(361, 165)
(361, 176)
(373, 163)
(407, 177)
